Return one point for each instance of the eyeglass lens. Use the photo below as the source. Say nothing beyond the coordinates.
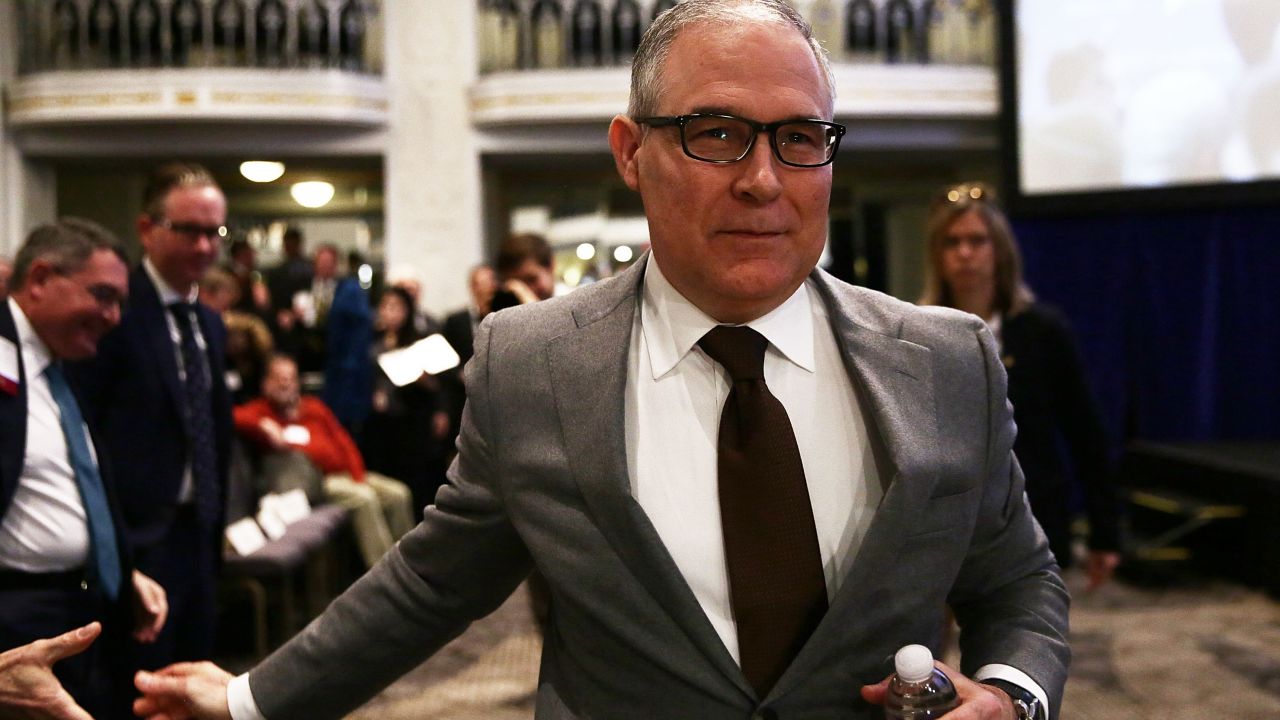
(196, 230)
(721, 139)
(106, 296)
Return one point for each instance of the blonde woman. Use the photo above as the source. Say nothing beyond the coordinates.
(973, 264)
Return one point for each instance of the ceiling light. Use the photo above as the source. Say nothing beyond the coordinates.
(622, 254)
(586, 251)
(312, 194)
(262, 171)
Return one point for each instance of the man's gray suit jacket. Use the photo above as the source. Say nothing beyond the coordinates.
(541, 480)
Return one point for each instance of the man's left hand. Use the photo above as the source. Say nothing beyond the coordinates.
(977, 701)
(150, 610)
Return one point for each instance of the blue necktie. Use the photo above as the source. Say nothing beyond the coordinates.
(105, 565)
(198, 408)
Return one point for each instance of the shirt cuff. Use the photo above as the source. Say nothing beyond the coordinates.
(994, 671)
(240, 700)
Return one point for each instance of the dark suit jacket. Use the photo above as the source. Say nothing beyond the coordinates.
(541, 480)
(134, 394)
(1052, 402)
(13, 442)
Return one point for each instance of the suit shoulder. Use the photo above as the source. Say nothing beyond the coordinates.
(551, 318)
(930, 326)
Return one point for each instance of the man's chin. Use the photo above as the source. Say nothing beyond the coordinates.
(80, 351)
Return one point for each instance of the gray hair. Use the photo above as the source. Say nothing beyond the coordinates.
(66, 244)
(655, 46)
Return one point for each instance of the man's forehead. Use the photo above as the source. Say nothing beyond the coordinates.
(726, 68)
(197, 197)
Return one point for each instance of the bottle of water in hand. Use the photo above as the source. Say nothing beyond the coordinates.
(918, 690)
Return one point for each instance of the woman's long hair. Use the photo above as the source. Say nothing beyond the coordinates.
(1012, 295)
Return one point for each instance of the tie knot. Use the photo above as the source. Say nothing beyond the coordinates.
(182, 311)
(739, 349)
(53, 372)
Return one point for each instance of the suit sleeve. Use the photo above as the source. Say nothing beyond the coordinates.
(459, 564)
(1009, 599)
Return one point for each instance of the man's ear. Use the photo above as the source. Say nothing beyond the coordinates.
(39, 273)
(144, 223)
(624, 141)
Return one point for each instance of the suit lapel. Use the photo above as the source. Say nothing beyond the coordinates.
(894, 382)
(154, 325)
(589, 375)
(13, 418)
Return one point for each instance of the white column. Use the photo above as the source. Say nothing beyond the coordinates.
(27, 189)
(433, 191)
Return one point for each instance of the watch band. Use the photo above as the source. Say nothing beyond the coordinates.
(1026, 704)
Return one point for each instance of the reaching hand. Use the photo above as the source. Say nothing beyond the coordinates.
(183, 691)
(150, 610)
(28, 689)
(977, 701)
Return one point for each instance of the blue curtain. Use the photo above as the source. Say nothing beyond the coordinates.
(1177, 315)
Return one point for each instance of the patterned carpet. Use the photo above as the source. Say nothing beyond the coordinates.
(1206, 651)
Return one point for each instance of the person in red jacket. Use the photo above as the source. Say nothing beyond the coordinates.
(284, 420)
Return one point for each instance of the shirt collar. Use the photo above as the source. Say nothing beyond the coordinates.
(672, 325)
(35, 354)
(168, 295)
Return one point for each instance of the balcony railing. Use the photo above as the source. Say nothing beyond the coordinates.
(71, 35)
(555, 34)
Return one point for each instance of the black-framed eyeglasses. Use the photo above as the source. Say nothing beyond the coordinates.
(718, 138)
(194, 231)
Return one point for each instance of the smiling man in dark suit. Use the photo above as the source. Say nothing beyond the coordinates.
(63, 560)
(158, 392)
(745, 482)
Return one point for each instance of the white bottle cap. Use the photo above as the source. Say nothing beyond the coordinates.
(914, 663)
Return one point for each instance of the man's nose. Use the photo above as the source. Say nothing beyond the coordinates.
(759, 178)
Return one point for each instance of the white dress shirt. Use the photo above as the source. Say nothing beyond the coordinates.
(45, 528)
(675, 393)
(169, 296)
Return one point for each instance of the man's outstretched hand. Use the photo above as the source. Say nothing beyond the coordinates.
(183, 691)
(28, 689)
(977, 701)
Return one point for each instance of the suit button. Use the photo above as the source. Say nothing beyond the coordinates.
(84, 584)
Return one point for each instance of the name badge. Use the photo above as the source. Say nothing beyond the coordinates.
(8, 366)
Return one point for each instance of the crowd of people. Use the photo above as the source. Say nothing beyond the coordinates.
(610, 441)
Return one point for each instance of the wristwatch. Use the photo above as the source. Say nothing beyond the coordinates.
(1025, 704)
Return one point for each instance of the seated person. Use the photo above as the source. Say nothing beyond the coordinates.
(284, 420)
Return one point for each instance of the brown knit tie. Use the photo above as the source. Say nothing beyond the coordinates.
(776, 583)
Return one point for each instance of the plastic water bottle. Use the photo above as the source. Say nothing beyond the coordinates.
(918, 690)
